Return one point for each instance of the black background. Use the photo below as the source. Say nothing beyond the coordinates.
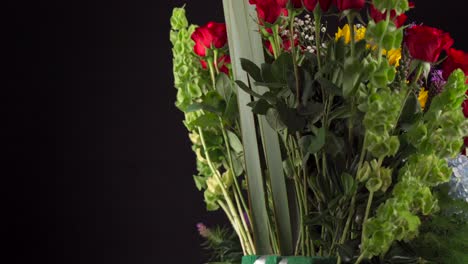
(98, 163)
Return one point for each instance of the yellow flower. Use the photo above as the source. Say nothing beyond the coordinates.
(345, 32)
(393, 56)
(423, 96)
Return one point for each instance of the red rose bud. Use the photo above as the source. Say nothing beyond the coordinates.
(222, 64)
(269, 10)
(349, 4)
(211, 35)
(456, 59)
(426, 43)
(379, 16)
(324, 4)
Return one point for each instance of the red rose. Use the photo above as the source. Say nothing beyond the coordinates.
(296, 3)
(456, 59)
(324, 4)
(270, 10)
(211, 35)
(426, 43)
(349, 4)
(379, 16)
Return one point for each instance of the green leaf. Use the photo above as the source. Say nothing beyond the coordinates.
(260, 107)
(206, 120)
(267, 74)
(245, 42)
(224, 86)
(341, 112)
(201, 106)
(245, 88)
(235, 142)
(290, 117)
(200, 182)
(329, 86)
(351, 75)
(282, 66)
(349, 184)
(318, 141)
(274, 119)
(252, 69)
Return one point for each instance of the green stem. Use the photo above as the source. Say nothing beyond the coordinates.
(215, 61)
(363, 152)
(361, 258)
(217, 175)
(350, 18)
(317, 20)
(230, 218)
(408, 92)
(294, 58)
(237, 193)
(366, 215)
(349, 219)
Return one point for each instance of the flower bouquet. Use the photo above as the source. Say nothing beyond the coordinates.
(326, 145)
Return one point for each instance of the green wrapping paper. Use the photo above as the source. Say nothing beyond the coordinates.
(287, 260)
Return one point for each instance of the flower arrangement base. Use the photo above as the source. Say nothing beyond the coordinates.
(287, 260)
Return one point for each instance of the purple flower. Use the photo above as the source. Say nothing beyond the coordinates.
(203, 230)
(437, 78)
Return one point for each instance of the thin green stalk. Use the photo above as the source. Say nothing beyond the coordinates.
(349, 219)
(294, 58)
(408, 92)
(379, 52)
(361, 258)
(350, 18)
(318, 19)
(242, 234)
(229, 216)
(237, 193)
(366, 215)
(363, 152)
